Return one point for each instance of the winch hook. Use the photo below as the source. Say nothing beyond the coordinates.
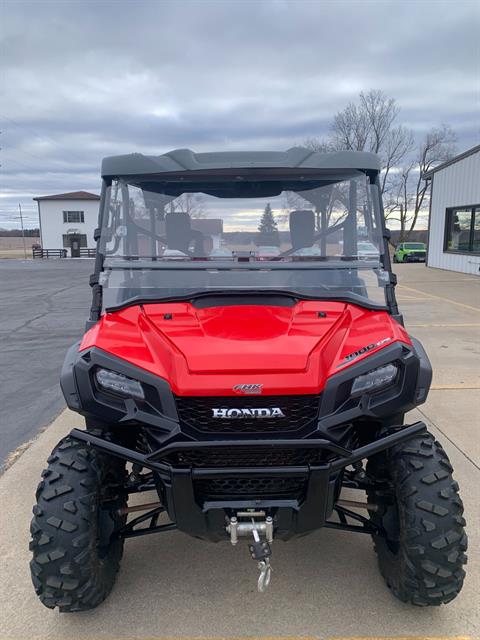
(260, 550)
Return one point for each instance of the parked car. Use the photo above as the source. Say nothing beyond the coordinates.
(308, 252)
(221, 252)
(410, 252)
(367, 251)
(267, 252)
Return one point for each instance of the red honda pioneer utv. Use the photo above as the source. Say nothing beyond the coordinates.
(247, 363)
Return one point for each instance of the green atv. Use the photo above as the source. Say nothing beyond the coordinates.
(410, 252)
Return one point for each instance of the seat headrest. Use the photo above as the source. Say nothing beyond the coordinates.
(302, 228)
(178, 231)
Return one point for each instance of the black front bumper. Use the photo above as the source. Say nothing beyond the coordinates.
(294, 515)
(412, 257)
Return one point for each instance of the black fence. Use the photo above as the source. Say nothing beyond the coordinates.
(49, 253)
(61, 253)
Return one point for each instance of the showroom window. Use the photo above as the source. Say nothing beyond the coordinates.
(73, 216)
(462, 229)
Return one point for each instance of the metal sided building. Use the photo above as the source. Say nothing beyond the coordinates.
(454, 220)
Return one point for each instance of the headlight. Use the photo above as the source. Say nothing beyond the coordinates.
(374, 380)
(118, 383)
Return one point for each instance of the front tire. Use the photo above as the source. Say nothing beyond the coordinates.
(420, 511)
(76, 552)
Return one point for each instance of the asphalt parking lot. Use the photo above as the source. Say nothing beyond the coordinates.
(44, 305)
(325, 585)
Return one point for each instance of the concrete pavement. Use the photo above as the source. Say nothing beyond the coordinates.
(324, 585)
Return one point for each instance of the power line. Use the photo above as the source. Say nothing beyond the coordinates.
(32, 155)
(43, 159)
(38, 135)
(28, 153)
(35, 169)
(19, 163)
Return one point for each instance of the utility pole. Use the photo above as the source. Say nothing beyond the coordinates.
(23, 232)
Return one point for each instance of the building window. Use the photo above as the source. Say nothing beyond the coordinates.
(462, 229)
(67, 239)
(73, 216)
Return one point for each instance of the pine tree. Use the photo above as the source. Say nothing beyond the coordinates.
(268, 231)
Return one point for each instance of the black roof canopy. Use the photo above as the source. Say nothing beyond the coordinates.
(184, 164)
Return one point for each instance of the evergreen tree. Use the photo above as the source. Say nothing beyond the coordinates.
(268, 231)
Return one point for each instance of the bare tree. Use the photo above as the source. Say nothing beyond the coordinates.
(191, 203)
(369, 126)
(317, 144)
(398, 204)
(398, 143)
(411, 192)
(351, 129)
(380, 112)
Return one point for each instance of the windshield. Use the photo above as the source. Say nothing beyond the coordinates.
(316, 237)
(415, 245)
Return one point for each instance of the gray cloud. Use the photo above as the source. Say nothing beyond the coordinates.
(82, 80)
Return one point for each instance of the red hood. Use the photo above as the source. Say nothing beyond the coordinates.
(208, 351)
(256, 338)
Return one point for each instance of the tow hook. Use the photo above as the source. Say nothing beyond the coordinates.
(260, 550)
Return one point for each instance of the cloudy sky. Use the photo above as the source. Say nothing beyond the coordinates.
(85, 79)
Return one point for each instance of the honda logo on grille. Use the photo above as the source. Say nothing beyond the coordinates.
(266, 412)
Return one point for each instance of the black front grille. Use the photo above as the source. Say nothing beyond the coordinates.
(247, 457)
(250, 488)
(197, 412)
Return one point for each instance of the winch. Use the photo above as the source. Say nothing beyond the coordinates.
(255, 523)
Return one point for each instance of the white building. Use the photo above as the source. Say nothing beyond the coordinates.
(454, 220)
(67, 221)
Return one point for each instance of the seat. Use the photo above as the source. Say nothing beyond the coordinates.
(302, 236)
(179, 234)
(302, 228)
